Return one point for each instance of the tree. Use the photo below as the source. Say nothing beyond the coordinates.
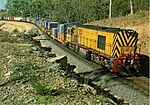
(81, 11)
(131, 6)
(110, 9)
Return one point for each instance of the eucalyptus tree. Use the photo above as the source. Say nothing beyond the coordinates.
(75, 10)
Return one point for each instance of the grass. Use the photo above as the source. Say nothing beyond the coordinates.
(27, 69)
(15, 31)
(18, 52)
(5, 37)
(44, 99)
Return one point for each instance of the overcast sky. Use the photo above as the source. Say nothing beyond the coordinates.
(2, 3)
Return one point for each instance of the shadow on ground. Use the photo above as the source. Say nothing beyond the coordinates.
(145, 65)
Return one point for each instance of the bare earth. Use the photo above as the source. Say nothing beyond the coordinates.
(20, 26)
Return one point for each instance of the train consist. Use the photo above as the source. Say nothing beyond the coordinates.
(112, 48)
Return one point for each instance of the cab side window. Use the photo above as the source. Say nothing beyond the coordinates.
(101, 42)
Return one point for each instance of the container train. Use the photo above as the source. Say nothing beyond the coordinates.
(112, 48)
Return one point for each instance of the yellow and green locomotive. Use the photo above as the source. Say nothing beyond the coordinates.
(113, 48)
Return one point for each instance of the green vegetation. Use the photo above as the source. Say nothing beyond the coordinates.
(15, 31)
(81, 11)
(44, 99)
(27, 70)
(18, 52)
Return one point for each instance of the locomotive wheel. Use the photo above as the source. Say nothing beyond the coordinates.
(67, 44)
(88, 55)
(118, 74)
(76, 49)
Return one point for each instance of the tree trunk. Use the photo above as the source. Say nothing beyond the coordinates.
(110, 9)
(131, 6)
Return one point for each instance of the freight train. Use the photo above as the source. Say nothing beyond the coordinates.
(112, 48)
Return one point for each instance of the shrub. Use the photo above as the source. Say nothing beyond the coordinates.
(27, 69)
(44, 99)
(18, 52)
(15, 31)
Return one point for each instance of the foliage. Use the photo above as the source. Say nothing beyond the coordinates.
(18, 52)
(27, 70)
(15, 31)
(15, 77)
(44, 99)
(73, 10)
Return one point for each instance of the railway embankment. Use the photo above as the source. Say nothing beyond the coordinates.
(30, 75)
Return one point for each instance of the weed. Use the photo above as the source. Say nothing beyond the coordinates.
(44, 99)
(4, 33)
(41, 88)
(3, 39)
(15, 31)
(15, 77)
(18, 52)
(27, 69)
(8, 39)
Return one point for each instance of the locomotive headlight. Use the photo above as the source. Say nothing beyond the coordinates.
(124, 61)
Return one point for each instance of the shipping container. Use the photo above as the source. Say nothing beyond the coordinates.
(11, 18)
(52, 25)
(62, 28)
(28, 19)
(18, 18)
(6, 18)
(46, 24)
(38, 21)
(55, 32)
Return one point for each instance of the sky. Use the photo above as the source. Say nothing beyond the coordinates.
(2, 3)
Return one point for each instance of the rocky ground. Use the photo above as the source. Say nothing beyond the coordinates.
(26, 76)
